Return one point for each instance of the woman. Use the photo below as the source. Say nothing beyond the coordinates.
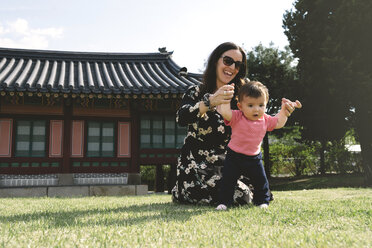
(202, 155)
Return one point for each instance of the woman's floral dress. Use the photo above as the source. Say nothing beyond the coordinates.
(201, 159)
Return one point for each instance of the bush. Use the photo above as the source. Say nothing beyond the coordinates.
(290, 157)
(148, 175)
(295, 160)
(340, 160)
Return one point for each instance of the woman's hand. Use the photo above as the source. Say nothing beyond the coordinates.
(222, 95)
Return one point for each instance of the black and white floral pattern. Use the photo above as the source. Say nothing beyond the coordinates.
(201, 159)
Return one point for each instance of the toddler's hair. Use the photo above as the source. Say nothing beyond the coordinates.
(253, 89)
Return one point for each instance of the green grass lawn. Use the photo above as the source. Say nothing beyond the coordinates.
(340, 217)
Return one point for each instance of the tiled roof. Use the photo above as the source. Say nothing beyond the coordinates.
(88, 72)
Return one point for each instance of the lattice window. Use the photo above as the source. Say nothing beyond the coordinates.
(100, 139)
(161, 131)
(30, 138)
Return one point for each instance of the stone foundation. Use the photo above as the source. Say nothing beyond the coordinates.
(72, 185)
(74, 191)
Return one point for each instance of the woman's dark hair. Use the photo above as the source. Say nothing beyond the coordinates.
(210, 73)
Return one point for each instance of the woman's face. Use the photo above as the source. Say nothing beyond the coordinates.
(226, 73)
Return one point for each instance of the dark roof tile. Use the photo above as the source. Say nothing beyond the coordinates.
(77, 72)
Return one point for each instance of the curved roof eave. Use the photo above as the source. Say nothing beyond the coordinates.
(92, 72)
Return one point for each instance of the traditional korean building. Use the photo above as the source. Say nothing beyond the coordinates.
(84, 112)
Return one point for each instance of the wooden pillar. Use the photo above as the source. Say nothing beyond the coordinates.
(172, 177)
(159, 179)
(67, 112)
(135, 139)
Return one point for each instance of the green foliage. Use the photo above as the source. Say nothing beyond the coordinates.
(340, 160)
(332, 41)
(290, 157)
(351, 56)
(148, 175)
(307, 28)
(295, 160)
(307, 218)
(275, 69)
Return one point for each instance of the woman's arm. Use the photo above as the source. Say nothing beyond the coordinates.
(189, 109)
(192, 105)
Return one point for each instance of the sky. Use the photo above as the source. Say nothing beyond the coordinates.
(191, 29)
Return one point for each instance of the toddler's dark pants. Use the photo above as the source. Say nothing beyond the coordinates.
(237, 164)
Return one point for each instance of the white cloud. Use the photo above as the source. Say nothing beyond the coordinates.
(35, 41)
(5, 42)
(54, 33)
(18, 34)
(20, 26)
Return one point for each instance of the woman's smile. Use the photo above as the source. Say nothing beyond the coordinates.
(228, 73)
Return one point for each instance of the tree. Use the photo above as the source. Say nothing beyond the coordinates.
(324, 111)
(334, 38)
(351, 55)
(275, 69)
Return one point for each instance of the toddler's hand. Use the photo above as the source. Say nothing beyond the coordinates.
(290, 106)
(297, 104)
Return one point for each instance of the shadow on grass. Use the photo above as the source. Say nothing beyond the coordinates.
(317, 182)
(127, 216)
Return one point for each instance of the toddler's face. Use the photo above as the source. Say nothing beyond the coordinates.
(253, 108)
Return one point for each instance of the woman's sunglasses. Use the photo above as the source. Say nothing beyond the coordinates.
(229, 61)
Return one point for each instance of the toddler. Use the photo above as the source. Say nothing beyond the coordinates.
(249, 125)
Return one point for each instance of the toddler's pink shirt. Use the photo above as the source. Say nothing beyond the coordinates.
(247, 135)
